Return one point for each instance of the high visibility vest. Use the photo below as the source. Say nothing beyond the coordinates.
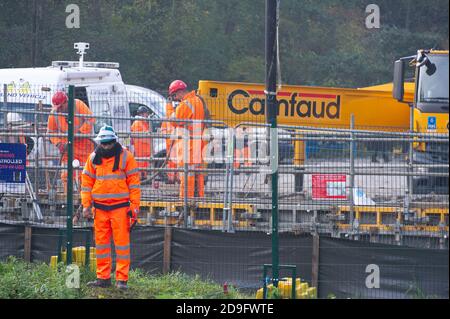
(57, 123)
(101, 185)
(168, 127)
(191, 108)
(142, 145)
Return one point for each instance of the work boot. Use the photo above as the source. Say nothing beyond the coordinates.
(99, 283)
(121, 284)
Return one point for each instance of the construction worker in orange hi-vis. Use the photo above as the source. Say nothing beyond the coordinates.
(142, 144)
(57, 123)
(110, 192)
(242, 151)
(191, 107)
(16, 124)
(171, 144)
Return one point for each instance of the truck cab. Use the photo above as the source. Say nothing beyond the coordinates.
(429, 112)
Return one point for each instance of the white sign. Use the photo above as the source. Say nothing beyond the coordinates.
(360, 198)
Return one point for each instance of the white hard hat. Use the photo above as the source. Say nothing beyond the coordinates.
(13, 118)
(106, 134)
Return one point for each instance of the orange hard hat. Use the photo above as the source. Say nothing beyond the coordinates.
(177, 85)
(59, 98)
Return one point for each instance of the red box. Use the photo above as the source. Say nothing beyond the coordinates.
(329, 186)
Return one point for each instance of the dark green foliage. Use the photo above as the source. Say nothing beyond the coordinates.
(321, 42)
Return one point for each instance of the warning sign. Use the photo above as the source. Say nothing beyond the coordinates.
(329, 186)
(12, 167)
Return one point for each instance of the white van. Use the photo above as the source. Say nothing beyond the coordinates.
(98, 84)
(102, 89)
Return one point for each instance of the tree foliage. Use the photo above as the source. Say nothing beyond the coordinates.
(321, 42)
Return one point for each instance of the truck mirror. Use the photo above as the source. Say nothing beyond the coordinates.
(398, 91)
(431, 68)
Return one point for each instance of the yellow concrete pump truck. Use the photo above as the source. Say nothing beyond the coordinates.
(429, 113)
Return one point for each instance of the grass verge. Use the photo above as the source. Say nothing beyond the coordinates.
(21, 280)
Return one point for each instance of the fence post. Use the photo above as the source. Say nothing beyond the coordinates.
(186, 158)
(315, 261)
(27, 244)
(272, 11)
(410, 161)
(70, 122)
(5, 102)
(227, 182)
(36, 160)
(353, 220)
(227, 217)
(167, 249)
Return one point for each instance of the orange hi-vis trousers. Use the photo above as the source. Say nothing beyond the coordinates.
(116, 223)
(242, 157)
(196, 182)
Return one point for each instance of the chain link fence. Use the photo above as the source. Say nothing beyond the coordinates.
(373, 185)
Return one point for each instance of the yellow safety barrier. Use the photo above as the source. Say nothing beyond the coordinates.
(379, 214)
(213, 212)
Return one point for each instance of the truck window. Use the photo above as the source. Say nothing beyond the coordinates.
(81, 94)
(101, 108)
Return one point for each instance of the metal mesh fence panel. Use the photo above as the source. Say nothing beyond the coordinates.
(371, 184)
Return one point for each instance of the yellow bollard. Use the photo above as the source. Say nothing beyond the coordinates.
(312, 292)
(304, 296)
(82, 255)
(93, 264)
(64, 256)
(259, 293)
(301, 289)
(54, 262)
(75, 255)
(284, 287)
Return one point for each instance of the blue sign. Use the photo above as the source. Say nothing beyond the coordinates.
(13, 165)
(432, 123)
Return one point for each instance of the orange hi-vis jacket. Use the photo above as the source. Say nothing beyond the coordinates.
(142, 145)
(57, 123)
(191, 108)
(101, 185)
(169, 129)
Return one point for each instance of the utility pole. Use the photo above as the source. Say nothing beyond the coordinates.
(271, 118)
(34, 44)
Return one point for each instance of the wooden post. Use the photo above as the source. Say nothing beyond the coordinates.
(315, 261)
(27, 244)
(167, 249)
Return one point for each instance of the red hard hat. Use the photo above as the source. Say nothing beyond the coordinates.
(59, 98)
(177, 85)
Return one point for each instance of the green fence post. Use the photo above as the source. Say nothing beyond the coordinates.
(294, 279)
(70, 122)
(88, 249)
(271, 118)
(265, 281)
